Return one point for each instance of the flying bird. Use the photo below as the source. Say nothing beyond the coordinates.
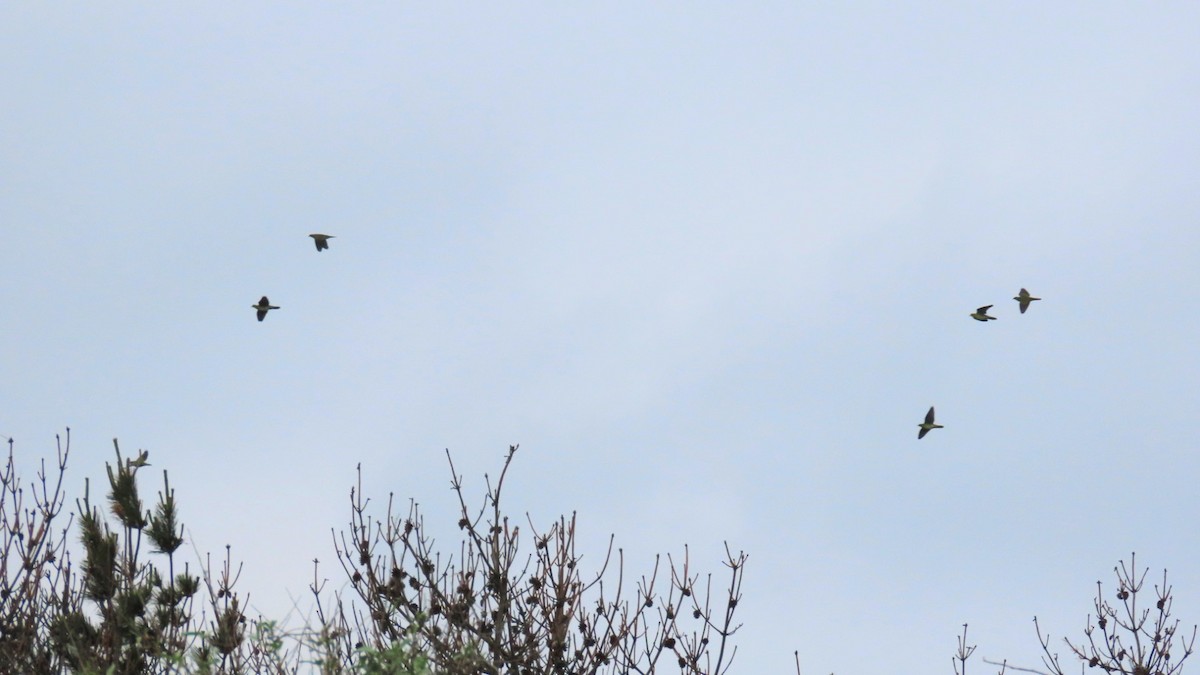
(263, 307)
(1025, 298)
(322, 241)
(982, 315)
(142, 460)
(927, 424)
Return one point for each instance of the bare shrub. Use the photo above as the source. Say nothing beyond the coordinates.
(492, 606)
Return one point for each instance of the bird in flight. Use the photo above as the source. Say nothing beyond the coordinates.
(322, 241)
(263, 307)
(1025, 298)
(982, 315)
(928, 424)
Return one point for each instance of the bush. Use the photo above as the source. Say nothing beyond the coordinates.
(1127, 637)
(125, 610)
(496, 609)
(117, 613)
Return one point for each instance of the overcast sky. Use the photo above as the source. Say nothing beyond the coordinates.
(707, 264)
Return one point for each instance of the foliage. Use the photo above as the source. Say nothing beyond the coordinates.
(37, 574)
(118, 612)
(132, 607)
(494, 610)
(1126, 638)
(501, 603)
(415, 610)
(1132, 639)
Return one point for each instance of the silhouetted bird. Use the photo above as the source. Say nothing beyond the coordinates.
(927, 424)
(1025, 298)
(322, 241)
(982, 315)
(263, 307)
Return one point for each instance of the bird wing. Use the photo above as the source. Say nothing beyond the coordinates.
(921, 433)
(984, 309)
(929, 416)
(262, 314)
(264, 301)
(1024, 301)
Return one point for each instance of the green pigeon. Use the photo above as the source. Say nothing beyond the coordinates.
(982, 315)
(927, 424)
(141, 460)
(263, 307)
(1025, 298)
(322, 241)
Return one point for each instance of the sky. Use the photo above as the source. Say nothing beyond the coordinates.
(708, 265)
